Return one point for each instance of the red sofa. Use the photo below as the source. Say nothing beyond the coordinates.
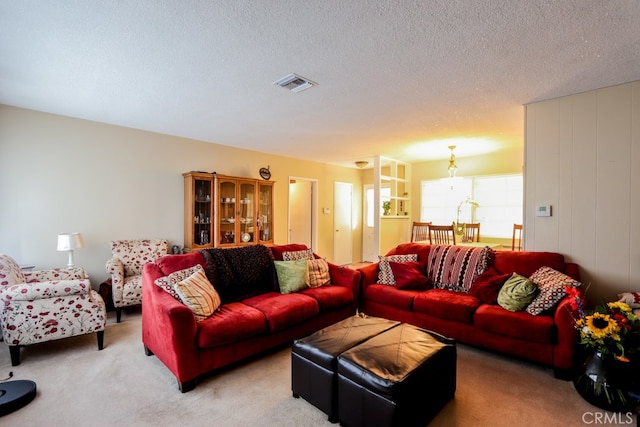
(238, 329)
(548, 338)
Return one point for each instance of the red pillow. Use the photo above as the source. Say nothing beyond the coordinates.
(409, 274)
(487, 286)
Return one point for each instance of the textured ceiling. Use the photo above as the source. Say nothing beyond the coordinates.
(395, 78)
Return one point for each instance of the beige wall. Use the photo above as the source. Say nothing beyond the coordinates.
(60, 174)
(582, 157)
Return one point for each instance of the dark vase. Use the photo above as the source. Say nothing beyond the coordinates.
(606, 383)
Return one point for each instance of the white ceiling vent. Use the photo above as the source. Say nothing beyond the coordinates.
(295, 83)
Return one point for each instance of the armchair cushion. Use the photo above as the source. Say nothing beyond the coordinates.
(43, 290)
(75, 273)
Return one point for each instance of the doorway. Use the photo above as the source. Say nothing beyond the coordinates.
(342, 220)
(302, 208)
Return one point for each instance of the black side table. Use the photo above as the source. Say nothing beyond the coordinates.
(16, 394)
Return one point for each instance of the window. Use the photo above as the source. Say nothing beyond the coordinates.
(499, 202)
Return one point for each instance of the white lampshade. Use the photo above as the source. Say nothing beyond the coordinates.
(70, 241)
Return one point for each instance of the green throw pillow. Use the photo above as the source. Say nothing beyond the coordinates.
(293, 276)
(517, 293)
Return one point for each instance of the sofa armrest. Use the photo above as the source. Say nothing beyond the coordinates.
(46, 290)
(347, 277)
(564, 350)
(169, 327)
(76, 273)
(369, 274)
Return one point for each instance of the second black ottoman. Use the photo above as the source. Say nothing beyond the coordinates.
(314, 359)
(401, 377)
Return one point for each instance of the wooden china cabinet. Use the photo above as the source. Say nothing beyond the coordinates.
(226, 211)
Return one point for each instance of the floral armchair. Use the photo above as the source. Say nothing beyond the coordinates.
(47, 305)
(125, 268)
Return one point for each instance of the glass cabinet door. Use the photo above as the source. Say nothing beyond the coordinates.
(227, 213)
(247, 228)
(198, 211)
(265, 211)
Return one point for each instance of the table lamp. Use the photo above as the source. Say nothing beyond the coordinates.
(68, 242)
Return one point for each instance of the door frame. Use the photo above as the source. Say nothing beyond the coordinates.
(314, 210)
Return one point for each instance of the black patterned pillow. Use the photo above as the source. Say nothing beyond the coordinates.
(551, 284)
(456, 267)
(385, 274)
(296, 255)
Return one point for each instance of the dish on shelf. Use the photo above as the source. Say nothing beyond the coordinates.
(246, 237)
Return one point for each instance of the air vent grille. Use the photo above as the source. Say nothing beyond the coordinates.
(295, 83)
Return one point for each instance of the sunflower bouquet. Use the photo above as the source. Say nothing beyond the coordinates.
(612, 328)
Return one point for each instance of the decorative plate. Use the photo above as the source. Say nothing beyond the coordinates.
(265, 173)
(246, 237)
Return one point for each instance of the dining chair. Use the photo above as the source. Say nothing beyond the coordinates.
(420, 231)
(471, 232)
(516, 239)
(442, 235)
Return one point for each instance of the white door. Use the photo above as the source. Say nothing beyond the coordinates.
(369, 251)
(300, 212)
(342, 214)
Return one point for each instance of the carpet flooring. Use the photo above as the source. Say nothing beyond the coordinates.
(120, 386)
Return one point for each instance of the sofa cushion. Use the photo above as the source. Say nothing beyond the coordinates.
(456, 267)
(487, 286)
(168, 283)
(385, 275)
(551, 284)
(283, 311)
(239, 273)
(171, 263)
(518, 324)
(330, 297)
(294, 255)
(446, 304)
(318, 272)
(526, 263)
(293, 276)
(232, 322)
(197, 293)
(277, 251)
(391, 296)
(409, 275)
(517, 293)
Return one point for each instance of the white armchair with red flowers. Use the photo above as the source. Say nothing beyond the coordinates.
(125, 268)
(47, 305)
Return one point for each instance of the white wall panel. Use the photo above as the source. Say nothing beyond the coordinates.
(582, 153)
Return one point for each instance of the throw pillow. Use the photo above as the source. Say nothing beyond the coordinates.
(630, 298)
(293, 276)
(197, 293)
(517, 293)
(409, 275)
(385, 275)
(487, 286)
(318, 272)
(551, 284)
(169, 282)
(456, 267)
(294, 255)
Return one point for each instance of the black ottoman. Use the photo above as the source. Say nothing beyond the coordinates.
(314, 359)
(401, 377)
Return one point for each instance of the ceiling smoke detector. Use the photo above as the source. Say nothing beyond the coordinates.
(295, 83)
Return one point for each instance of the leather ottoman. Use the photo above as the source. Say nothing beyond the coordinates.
(314, 359)
(401, 377)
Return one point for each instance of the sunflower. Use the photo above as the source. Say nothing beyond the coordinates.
(601, 326)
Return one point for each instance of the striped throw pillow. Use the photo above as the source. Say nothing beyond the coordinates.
(197, 293)
(318, 272)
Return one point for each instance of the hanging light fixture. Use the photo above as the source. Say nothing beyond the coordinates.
(452, 163)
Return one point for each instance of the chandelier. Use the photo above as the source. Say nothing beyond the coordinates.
(452, 163)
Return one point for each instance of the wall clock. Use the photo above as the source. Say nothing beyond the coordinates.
(265, 173)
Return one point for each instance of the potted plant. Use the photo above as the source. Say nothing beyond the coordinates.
(386, 206)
